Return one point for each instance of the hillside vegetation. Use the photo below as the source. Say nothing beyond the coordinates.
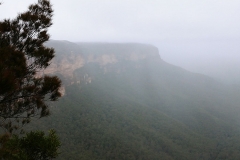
(144, 109)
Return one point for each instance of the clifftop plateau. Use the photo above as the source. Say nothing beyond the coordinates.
(71, 56)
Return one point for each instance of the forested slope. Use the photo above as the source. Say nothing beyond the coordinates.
(146, 109)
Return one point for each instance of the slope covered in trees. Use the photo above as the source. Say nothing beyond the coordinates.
(145, 109)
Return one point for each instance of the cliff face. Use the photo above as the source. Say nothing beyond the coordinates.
(71, 56)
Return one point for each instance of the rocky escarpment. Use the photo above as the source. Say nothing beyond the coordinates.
(71, 56)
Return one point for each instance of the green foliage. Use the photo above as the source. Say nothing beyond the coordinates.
(34, 146)
(145, 110)
(23, 90)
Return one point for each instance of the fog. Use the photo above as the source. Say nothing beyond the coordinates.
(218, 59)
(200, 36)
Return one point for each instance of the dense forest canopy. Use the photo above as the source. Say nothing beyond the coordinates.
(140, 109)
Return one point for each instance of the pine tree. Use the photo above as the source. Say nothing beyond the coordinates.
(24, 91)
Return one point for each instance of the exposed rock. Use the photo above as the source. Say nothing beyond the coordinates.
(71, 56)
(62, 90)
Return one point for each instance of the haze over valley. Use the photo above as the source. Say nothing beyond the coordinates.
(200, 36)
(140, 80)
(122, 101)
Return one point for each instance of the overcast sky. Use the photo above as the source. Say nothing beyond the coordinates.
(198, 35)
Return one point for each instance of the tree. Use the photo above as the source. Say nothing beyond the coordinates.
(33, 146)
(24, 91)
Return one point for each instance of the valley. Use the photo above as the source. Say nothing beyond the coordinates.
(122, 101)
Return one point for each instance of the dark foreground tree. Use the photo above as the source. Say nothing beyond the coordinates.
(24, 91)
(33, 146)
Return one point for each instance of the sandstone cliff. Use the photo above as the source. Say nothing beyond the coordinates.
(71, 56)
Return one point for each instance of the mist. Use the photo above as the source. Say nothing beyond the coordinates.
(200, 36)
(216, 58)
(139, 79)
